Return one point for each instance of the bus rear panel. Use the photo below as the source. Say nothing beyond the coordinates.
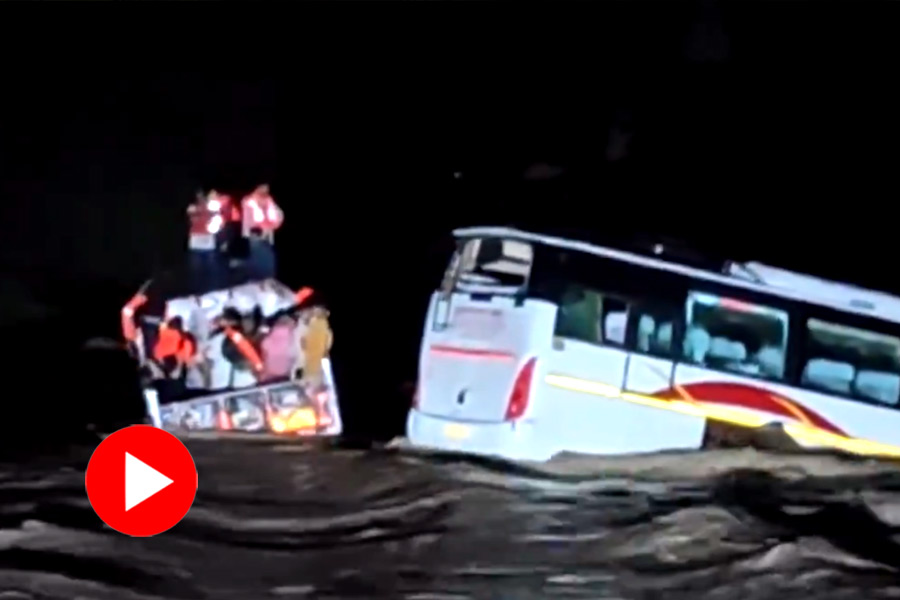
(478, 361)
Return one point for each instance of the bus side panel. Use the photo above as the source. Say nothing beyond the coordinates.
(591, 418)
(832, 413)
(648, 374)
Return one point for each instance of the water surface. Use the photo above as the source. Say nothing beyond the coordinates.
(277, 520)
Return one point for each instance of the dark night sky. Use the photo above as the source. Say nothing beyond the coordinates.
(763, 130)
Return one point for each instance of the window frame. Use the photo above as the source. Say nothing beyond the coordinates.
(449, 284)
(631, 288)
(459, 262)
(851, 320)
(631, 334)
(762, 302)
(629, 283)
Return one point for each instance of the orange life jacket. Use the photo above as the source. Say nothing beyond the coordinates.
(303, 294)
(174, 343)
(187, 351)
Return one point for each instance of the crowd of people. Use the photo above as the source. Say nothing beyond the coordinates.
(238, 327)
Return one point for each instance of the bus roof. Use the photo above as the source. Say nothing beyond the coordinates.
(752, 275)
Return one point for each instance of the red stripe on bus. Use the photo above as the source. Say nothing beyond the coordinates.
(471, 352)
(746, 396)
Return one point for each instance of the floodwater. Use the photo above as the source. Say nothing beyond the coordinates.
(279, 520)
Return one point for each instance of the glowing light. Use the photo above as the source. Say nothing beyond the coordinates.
(215, 224)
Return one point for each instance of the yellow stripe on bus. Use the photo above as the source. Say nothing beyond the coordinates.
(804, 431)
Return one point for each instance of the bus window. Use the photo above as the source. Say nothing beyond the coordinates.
(654, 327)
(490, 262)
(590, 316)
(734, 335)
(615, 317)
(579, 315)
(853, 362)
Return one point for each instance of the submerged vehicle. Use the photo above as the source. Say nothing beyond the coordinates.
(222, 345)
(536, 345)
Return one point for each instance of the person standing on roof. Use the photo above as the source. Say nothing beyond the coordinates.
(260, 218)
(260, 214)
(209, 215)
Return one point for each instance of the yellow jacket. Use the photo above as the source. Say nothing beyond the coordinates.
(316, 343)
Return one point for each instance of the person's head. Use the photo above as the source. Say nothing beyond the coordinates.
(169, 364)
(231, 314)
(573, 294)
(285, 321)
(319, 312)
(262, 189)
(175, 323)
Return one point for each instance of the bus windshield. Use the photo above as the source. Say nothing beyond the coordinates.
(492, 265)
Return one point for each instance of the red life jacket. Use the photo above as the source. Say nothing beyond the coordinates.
(209, 215)
(259, 211)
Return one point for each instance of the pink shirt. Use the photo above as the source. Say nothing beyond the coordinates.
(279, 352)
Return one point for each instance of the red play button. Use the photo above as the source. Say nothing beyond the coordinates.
(141, 480)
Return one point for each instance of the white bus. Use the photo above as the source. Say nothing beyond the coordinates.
(536, 345)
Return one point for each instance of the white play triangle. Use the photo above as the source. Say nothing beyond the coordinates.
(141, 481)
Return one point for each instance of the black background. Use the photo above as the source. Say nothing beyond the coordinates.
(755, 130)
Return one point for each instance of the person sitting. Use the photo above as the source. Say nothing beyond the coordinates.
(238, 348)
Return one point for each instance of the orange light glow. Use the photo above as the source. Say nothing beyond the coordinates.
(224, 421)
(298, 420)
(303, 294)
